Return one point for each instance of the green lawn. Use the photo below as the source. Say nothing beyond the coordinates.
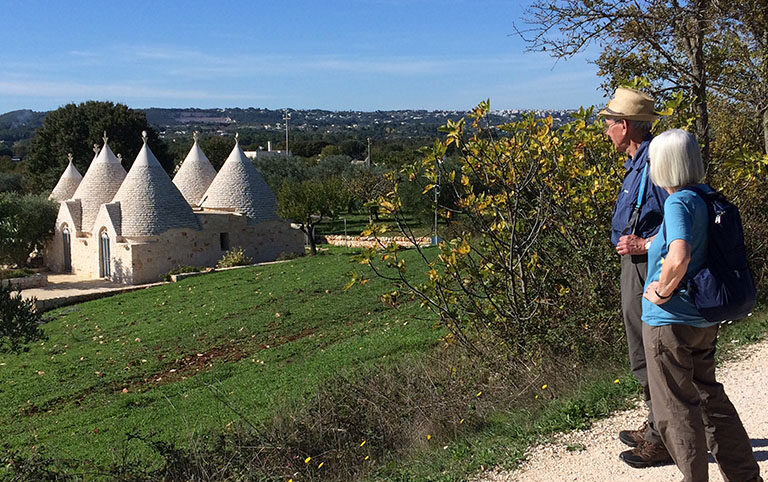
(197, 355)
(357, 223)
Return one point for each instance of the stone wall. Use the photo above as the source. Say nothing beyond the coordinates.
(136, 260)
(371, 242)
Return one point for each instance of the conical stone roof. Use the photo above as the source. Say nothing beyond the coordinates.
(150, 204)
(67, 184)
(240, 187)
(99, 185)
(195, 175)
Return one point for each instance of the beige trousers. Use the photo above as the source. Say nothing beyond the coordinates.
(691, 409)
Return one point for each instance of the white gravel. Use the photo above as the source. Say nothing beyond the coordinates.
(745, 380)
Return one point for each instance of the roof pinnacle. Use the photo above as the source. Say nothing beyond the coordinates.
(195, 135)
(105, 138)
(69, 156)
(144, 136)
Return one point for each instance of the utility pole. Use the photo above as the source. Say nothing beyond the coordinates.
(285, 118)
(369, 153)
(438, 164)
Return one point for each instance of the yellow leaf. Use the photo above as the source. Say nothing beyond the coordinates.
(428, 188)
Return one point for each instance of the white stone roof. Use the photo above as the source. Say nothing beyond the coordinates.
(239, 186)
(99, 185)
(67, 184)
(75, 212)
(150, 204)
(115, 216)
(195, 175)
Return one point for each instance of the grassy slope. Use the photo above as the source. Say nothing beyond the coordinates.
(188, 357)
(504, 439)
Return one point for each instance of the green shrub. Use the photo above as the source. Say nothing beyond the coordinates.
(26, 224)
(19, 322)
(15, 273)
(290, 256)
(180, 270)
(234, 257)
(11, 182)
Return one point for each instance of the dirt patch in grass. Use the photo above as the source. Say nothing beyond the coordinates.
(193, 363)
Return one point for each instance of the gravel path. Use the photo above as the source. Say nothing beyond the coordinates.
(745, 380)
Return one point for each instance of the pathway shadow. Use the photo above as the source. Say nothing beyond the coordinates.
(760, 442)
(760, 455)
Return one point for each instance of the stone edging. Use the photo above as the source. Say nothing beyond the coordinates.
(372, 242)
(33, 281)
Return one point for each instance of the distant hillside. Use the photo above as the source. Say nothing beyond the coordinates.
(19, 124)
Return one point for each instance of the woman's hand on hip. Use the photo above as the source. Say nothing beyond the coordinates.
(652, 296)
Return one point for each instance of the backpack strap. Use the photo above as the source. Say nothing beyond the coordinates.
(634, 216)
(706, 197)
(685, 283)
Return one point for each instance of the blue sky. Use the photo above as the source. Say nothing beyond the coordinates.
(334, 54)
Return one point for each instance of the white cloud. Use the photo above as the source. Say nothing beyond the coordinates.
(83, 90)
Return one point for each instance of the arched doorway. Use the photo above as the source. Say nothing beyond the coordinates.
(67, 249)
(104, 264)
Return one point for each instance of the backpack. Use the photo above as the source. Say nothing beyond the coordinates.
(724, 289)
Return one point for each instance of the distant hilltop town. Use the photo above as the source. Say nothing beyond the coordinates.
(20, 124)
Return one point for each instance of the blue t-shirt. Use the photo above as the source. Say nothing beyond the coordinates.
(686, 218)
(653, 200)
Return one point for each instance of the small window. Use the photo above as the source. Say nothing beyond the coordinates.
(224, 241)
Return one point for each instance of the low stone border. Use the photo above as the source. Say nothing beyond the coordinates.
(27, 282)
(372, 242)
(181, 276)
(53, 303)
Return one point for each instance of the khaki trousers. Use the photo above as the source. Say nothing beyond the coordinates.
(634, 269)
(691, 409)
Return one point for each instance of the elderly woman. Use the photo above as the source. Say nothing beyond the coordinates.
(691, 408)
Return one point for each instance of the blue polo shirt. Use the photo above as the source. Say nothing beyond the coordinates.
(652, 210)
(685, 217)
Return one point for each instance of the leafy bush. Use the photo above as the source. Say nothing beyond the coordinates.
(532, 268)
(180, 270)
(26, 224)
(289, 256)
(234, 257)
(19, 322)
(11, 182)
(15, 273)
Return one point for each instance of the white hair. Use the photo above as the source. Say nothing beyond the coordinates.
(675, 159)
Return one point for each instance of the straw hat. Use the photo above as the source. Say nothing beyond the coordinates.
(630, 104)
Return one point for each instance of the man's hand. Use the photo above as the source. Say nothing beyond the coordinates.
(631, 244)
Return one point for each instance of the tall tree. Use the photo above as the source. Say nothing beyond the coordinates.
(308, 203)
(662, 39)
(739, 59)
(76, 128)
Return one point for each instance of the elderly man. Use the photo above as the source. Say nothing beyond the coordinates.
(636, 220)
